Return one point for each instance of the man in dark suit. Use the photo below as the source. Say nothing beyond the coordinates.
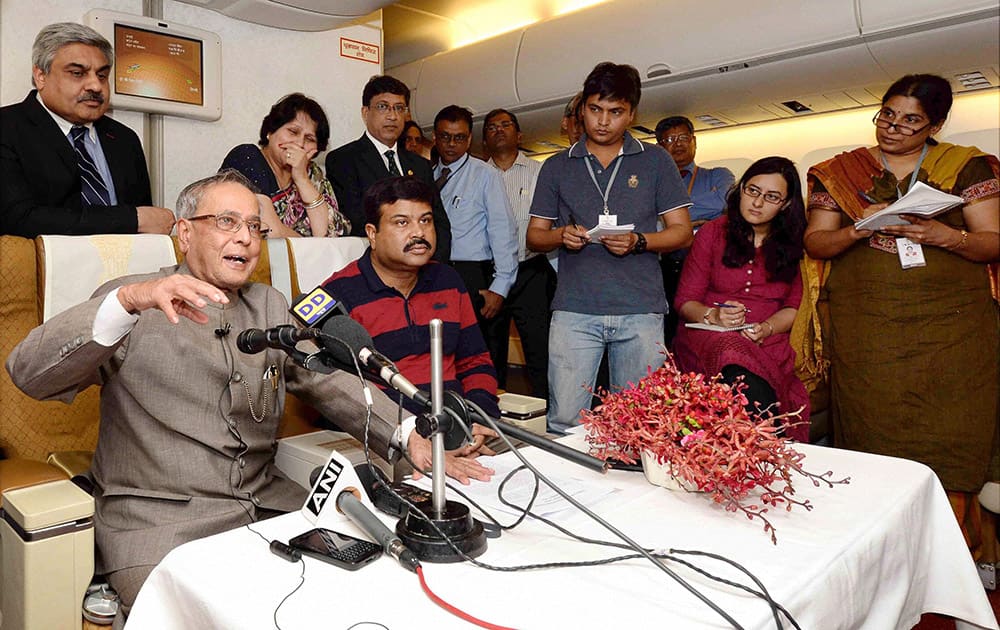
(377, 155)
(65, 167)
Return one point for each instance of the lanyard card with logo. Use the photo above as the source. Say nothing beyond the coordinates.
(911, 254)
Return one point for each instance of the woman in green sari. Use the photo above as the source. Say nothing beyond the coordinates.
(914, 351)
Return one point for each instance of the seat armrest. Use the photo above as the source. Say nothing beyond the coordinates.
(20, 473)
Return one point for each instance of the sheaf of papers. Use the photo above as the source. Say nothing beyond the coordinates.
(519, 489)
(715, 328)
(610, 230)
(921, 200)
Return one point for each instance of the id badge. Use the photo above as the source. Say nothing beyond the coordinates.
(910, 254)
(608, 220)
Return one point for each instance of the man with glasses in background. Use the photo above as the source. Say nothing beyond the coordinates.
(188, 423)
(707, 188)
(378, 155)
(528, 301)
(483, 230)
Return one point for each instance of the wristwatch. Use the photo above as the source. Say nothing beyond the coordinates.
(640, 244)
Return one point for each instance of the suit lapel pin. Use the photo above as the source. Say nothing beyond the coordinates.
(633, 181)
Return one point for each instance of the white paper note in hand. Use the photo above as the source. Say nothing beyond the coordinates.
(921, 200)
(610, 230)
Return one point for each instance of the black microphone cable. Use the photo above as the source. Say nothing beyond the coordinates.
(243, 447)
(650, 555)
(632, 545)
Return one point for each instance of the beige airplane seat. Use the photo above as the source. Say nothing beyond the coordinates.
(46, 535)
(46, 529)
(299, 265)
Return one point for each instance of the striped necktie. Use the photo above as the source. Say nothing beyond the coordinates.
(391, 163)
(442, 178)
(92, 187)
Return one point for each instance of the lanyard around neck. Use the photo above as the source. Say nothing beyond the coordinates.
(604, 193)
(913, 175)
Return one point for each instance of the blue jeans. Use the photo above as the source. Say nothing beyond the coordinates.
(576, 344)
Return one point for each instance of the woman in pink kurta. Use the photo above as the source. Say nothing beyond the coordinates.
(743, 275)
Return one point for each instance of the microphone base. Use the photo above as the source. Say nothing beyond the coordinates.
(464, 531)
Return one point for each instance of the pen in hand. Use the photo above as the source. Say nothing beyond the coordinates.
(866, 197)
(572, 221)
(724, 305)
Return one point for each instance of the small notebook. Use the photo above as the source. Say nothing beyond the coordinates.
(921, 200)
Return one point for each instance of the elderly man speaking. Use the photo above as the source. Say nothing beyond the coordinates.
(188, 424)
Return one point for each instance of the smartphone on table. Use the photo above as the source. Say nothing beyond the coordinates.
(346, 552)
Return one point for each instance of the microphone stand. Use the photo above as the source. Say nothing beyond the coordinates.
(450, 517)
(437, 407)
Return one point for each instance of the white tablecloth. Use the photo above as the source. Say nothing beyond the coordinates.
(873, 554)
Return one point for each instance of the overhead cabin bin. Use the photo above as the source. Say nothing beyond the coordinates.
(739, 62)
(650, 35)
(489, 65)
(954, 45)
(296, 15)
(876, 16)
(739, 92)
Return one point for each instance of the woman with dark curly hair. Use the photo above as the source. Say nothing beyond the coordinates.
(742, 277)
(297, 199)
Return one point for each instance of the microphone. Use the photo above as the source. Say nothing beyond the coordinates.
(254, 340)
(355, 510)
(356, 342)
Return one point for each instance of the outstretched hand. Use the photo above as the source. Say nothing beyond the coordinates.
(177, 296)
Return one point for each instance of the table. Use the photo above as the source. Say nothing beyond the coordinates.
(876, 553)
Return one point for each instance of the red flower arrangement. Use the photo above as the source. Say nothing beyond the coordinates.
(698, 427)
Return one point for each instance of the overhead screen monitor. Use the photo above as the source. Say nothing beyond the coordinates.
(161, 67)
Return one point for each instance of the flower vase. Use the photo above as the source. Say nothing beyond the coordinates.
(660, 474)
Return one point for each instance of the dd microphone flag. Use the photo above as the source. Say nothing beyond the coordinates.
(315, 307)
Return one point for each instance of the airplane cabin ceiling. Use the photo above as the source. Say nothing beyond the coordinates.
(949, 37)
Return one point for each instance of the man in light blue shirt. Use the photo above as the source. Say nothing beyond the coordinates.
(483, 230)
(707, 188)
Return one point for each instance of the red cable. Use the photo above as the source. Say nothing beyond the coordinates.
(455, 611)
